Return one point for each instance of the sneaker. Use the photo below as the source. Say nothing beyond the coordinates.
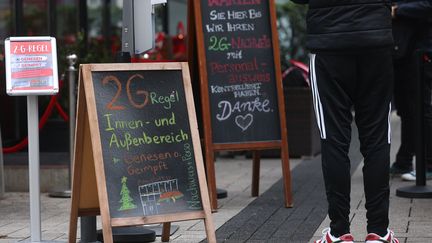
(328, 238)
(397, 170)
(411, 176)
(388, 238)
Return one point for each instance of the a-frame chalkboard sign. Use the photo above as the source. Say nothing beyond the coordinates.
(236, 44)
(137, 157)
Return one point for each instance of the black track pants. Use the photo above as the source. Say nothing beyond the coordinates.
(363, 81)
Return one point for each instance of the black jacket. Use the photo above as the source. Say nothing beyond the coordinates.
(417, 16)
(338, 25)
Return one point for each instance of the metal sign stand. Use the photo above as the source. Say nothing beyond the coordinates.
(34, 172)
(34, 180)
(40, 79)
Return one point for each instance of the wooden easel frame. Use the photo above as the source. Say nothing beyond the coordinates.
(210, 147)
(89, 192)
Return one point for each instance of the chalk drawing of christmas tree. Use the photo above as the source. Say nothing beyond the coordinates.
(126, 200)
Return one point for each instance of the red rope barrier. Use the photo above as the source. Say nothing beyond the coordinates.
(61, 112)
(47, 113)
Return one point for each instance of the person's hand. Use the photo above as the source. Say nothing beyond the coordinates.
(393, 11)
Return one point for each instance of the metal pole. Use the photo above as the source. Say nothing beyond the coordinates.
(52, 17)
(420, 190)
(72, 107)
(421, 139)
(34, 180)
(88, 229)
(2, 185)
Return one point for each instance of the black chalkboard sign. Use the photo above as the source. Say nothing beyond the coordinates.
(237, 51)
(137, 140)
(146, 142)
(240, 71)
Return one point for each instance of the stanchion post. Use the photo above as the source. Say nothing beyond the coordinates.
(71, 76)
(88, 229)
(72, 59)
(420, 190)
(420, 141)
(2, 185)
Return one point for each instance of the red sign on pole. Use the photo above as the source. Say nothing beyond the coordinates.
(31, 66)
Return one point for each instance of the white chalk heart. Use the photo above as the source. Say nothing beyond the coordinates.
(244, 121)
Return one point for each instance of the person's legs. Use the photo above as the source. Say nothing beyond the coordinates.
(405, 104)
(405, 154)
(331, 89)
(372, 114)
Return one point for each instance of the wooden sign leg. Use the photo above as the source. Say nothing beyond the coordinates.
(255, 173)
(286, 176)
(211, 180)
(73, 226)
(77, 164)
(210, 231)
(73, 221)
(166, 230)
(107, 235)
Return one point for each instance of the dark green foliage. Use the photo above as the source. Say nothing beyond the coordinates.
(292, 32)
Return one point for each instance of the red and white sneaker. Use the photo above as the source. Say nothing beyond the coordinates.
(388, 238)
(328, 238)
